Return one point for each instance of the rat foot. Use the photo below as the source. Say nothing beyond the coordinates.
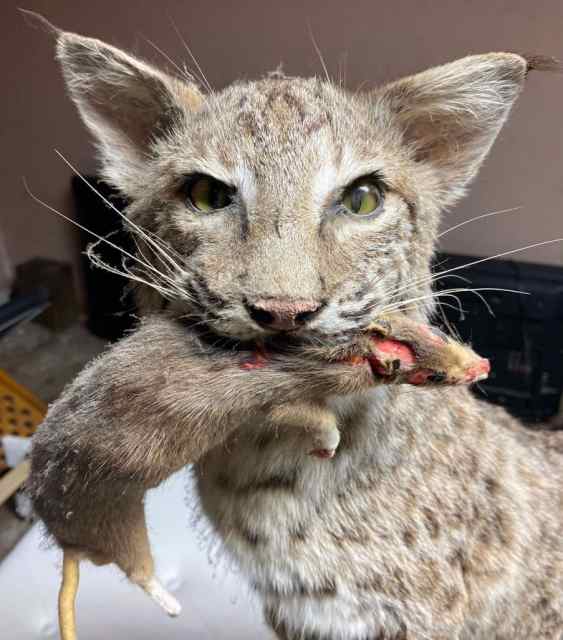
(325, 440)
(317, 423)
(163, 598)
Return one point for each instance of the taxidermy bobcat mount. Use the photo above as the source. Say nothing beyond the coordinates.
(285, 231)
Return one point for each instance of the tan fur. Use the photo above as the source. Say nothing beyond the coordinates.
(439, 517)
(161, 399)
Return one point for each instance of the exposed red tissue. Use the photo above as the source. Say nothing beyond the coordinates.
(395, 350)
(256, 361)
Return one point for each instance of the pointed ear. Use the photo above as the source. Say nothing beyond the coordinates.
(126, 103)
(450, 115)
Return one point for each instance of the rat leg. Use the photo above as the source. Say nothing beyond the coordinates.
(318, 423)
(133, 554)
(116, 532)
(127, 544)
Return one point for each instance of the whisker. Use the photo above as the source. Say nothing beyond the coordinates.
(435, 276)
(449, 293)
(183, 73)
(139, 249)
(319, 54)
(77, 224)
(99, 238)
(221, 119)
(415, 282)
(450, 327)
(457, 308)
(391, 294)
(476, 218)
(486, 303)
(482, 389)
(498, 255)
(126, 273)
(173, 266)
(187, 48)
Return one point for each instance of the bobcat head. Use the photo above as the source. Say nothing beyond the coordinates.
(289, 204)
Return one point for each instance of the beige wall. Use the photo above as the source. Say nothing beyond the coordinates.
(379, 39)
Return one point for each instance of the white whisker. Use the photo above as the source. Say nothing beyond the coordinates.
(126, 273)
(183, 73)
(450, 293)
(450, 327)
(173, 266)
(318, 51)
(80, 226)
(187, 48)
(391, 294)
(476, 218)
(498, 255)
(99, 238)
(440, 274)
(457, 307)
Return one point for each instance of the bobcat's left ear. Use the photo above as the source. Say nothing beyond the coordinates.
(127, 103)
(450, 115)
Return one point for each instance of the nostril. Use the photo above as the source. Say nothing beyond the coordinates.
(282, 315)
(261, 316)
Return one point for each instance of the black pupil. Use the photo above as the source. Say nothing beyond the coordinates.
(358, 195)
(219, 195)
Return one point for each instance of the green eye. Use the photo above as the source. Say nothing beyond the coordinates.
(363, 197)
(206, 194)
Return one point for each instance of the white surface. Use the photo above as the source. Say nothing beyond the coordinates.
(15, 449)
(216, 603)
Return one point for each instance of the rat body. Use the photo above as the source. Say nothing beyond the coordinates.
(163, 398)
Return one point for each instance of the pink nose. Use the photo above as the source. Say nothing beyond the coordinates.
(282, 315)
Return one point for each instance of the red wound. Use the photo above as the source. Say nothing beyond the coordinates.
(255, 361)
(395, 350)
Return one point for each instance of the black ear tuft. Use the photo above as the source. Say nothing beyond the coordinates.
(542, 63)
(38, 21)
(450, 115)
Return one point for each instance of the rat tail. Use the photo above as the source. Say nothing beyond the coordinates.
(67, 595)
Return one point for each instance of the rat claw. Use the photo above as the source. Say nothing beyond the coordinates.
(381, 326)
(162, 597)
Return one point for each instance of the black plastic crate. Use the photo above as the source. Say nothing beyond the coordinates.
(523, 336)
(110, 306)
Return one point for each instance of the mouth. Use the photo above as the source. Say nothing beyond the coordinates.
(395, 350)
(401, 351)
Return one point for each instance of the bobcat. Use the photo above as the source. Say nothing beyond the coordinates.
(293, 206)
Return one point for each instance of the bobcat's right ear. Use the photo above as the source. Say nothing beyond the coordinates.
(126, 103)
(449, 116)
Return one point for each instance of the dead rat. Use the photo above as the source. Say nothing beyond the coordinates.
(161, 398)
